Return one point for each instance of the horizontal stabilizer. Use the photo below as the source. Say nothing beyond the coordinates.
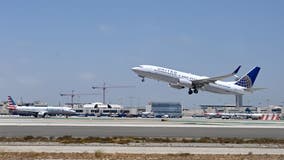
(254, 89)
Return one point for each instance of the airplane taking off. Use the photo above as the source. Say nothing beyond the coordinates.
(38, 111)
(180, 80)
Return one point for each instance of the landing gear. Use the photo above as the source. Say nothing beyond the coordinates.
(143, 79)
(190, 91)
(44, 115)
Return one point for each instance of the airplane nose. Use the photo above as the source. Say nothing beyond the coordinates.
(135, 69)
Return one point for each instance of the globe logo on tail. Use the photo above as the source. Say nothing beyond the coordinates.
(245, 82)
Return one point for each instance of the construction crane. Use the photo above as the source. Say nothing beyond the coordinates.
(104, 87)
(73, 94)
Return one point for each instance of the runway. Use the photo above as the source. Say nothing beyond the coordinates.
(142, 149)
(107, 131)
(11, 127)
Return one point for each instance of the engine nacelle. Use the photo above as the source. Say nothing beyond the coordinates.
(42, 114)
(185, 82)
(176, 86)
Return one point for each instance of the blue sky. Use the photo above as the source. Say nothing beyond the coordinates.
(48, 47)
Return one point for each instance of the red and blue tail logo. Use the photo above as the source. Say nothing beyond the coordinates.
(11, 103)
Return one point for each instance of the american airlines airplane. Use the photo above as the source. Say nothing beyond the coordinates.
(38, 111)
(180, 80)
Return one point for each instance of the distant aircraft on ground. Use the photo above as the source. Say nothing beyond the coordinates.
(233, 115)
(180, 80)
(38, 111)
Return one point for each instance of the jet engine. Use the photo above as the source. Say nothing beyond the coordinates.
(176, 86)
(42, 114)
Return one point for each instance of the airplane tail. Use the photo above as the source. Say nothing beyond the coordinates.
(11, 103)
(248, 79)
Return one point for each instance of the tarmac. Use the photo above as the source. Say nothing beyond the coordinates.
(137, 127)
(105, 127)
(140, 149)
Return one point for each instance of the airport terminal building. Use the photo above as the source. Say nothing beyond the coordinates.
(98, 109)
(165, 109)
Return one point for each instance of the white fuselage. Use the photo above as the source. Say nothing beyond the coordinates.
(174, 77)
(44, 110)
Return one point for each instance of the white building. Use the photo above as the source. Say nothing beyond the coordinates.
(98, 109)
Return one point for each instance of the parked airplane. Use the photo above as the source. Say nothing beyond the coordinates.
(180, 80)
(38, 111)
(233, 115)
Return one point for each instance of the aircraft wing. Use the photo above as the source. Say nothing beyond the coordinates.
(202, 82)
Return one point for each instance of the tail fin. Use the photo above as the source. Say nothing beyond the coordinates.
(11, 103)
(248, 79)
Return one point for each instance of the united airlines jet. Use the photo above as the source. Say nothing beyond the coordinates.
(38, 111)
(180, 80)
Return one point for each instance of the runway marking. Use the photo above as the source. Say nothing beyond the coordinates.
(151, 123)
(141, 150)
(141, 125)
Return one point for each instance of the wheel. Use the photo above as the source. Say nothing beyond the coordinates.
(190, 92)
(143, 80)
(195, 91)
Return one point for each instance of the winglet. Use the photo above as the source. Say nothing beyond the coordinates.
(237, 70)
